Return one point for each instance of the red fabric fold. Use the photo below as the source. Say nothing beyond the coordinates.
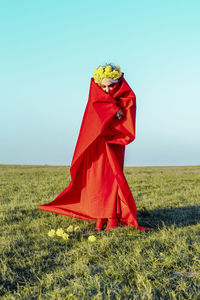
(98, 187)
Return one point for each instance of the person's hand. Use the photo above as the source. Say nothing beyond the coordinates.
(119, 115)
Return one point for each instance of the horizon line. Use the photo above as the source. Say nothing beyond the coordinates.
(140, 166)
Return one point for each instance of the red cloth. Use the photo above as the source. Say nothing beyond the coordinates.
(98, 187)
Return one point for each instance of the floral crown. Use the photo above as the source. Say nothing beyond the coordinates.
(107, 71)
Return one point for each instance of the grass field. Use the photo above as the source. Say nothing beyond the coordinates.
(163, 263)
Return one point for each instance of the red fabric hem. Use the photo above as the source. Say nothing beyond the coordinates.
(64, 212)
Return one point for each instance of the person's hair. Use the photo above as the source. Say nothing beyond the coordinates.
(107, 71)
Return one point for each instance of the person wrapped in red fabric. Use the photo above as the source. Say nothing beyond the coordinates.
(98, 189)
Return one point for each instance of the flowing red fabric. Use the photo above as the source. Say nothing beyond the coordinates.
(98, 187)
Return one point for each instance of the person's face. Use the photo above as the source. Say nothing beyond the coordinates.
(107, 84)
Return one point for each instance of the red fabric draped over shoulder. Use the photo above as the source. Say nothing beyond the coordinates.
(98, 187)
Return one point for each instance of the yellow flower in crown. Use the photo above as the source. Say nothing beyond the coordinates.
(107, 71)
(100, 70)
(115, 74)
(96, 75)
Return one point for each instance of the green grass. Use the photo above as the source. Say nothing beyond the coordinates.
(163, 263)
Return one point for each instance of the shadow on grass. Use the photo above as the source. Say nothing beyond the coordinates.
(157, 218)
(178, 216)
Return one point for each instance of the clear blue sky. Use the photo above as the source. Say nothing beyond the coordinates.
(48, 51)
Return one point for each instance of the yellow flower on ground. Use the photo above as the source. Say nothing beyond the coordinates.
(51, 233)
(91, 238)
(70, 228)
(65, 236)
(77, 228)
(59, 232)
